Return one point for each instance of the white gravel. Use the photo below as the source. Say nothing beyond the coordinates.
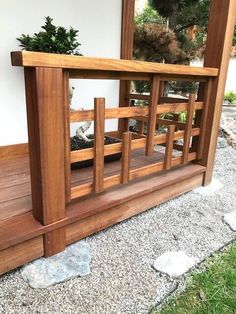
(122, 278)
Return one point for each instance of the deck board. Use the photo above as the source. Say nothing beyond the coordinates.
(15, 187)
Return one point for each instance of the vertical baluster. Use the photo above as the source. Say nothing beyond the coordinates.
(154, 96)
(188, 128)
(126, 156)
(99, 126)
(169, 147)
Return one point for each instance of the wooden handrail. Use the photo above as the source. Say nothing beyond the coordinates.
(39, 59)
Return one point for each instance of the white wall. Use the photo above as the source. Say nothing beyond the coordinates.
(230, 81)
(99, 24)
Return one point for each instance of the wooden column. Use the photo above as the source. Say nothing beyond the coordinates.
(45, 111)
(218, 48)
(127, 34)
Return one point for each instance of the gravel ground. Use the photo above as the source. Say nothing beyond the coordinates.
(122, 278)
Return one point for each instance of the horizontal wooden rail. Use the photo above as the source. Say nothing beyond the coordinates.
(87, 188)
(179, 125)
(131, 112)
(162, 99)
(39, 59)
(88, 153)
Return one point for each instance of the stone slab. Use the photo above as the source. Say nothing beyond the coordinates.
(45, 272)
(174, 263)
(230, 219)
(210, 189)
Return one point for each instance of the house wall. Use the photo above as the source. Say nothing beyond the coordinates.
(230, 81)
(99, 24)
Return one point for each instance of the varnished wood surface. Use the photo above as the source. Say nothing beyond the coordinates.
(13, 151)
(24, 227)
(40, 59)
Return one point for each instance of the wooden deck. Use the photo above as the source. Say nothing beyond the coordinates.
(15, 186)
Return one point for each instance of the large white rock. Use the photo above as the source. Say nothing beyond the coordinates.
(230, 219)
(210, 189)
(174, 263)
(45, 272)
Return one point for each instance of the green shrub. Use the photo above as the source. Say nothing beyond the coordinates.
(230, 97)
(54, 39)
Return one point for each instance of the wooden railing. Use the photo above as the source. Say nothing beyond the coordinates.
(65, 67)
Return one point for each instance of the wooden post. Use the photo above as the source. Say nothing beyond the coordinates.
(203, 121)
(169, 147)
(127, 34)
(126, 156)
(45, 112)
(188, 128)
(99, 126)
(218, 49)
(66, 102)
(152, 116)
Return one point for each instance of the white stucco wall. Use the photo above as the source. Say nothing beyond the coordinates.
(99, 23)
(230, 81)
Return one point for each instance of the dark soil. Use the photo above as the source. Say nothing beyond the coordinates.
(77, 144)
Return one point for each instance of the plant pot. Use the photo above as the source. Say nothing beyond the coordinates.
(77, 144)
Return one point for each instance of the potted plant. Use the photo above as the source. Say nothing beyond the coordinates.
(58, 39)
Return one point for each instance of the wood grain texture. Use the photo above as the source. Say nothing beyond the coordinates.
(126, 156)
(220, 34)
(118, 213)
(54, 242)
(66, 102)
(203, 119)
(88, 153)
(45, 112)
(99, 127)
(188, 127)
(40, 59)
(21, 254)
(152, 114)
(169, 147)
(13, 151)
(139, 172)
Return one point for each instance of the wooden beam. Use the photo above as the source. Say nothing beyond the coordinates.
(126, 52)
(13, 151)
(218, 49)
(152, 115)
(99, 126)
(62, 61)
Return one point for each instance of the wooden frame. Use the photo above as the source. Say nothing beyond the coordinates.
(63, 213)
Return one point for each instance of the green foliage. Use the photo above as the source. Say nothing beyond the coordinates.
(234, 38)
(210, 292)
(183, 88)
(54, 39)
(148, 15)
(183, 12)
(230, 97)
